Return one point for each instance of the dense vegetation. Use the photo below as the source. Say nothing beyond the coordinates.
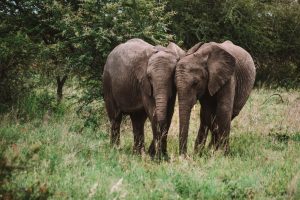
(53, 128)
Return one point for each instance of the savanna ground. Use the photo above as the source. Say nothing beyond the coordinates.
(52, 157)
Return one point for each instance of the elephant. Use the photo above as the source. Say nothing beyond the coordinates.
(138, 80)
(221, 76)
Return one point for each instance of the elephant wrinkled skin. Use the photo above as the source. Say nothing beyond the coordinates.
(138, 80)
(219, 75)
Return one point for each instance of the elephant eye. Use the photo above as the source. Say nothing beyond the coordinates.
(194, 83)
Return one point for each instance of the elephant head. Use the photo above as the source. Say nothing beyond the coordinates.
(203, 71)
(157, 82)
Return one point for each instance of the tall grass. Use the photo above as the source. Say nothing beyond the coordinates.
(58, 159)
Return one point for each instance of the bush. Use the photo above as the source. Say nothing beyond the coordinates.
(38, 105)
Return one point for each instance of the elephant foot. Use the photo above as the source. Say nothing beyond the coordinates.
(224, 148)
(223, 145)
(199, 148)
(151, 150)
(165, 156)
(115, 142)
(115, 145)
(139, 150)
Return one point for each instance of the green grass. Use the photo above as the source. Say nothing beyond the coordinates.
(52, 159)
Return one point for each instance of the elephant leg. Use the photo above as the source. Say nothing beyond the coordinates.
(155, 147)
(138, 120)
(201, 138)
(214, 135)
(165, 134)
(115, 118)
(115, 130)
(205, 116)
(152, 150)
(150, 109)
(220, 129)
(222, 125)
(223, 133)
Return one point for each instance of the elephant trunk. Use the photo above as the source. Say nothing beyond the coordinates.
(184, 119)
(161, 101)
(160, 115)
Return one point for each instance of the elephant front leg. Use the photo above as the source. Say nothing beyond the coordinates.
(155, 148)
(225, 99)
(201, 138)
(163, 144)
(165, 134)
(151, 149)
(221, 129)
(205, 117)
(222, 141)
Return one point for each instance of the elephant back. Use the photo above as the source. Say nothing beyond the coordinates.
(126, 55)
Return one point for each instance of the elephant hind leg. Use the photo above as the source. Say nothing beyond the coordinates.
(115, 118)
(115, 130)
(138, 120)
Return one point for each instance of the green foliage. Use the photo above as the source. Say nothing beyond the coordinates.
(38, 105)
(74, 39)
(98, 27)
(16, 54)
(267, 29)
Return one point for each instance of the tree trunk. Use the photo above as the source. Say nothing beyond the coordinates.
(60, 85)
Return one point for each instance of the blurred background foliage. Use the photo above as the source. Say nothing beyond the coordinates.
(50, 44)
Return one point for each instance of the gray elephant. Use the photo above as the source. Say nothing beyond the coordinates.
(221, 76)
(138, 80)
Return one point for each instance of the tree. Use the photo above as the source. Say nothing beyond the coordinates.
(17, 55)
(267, 29)
(75, 37)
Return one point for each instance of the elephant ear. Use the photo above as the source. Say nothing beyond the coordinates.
(177, 50)
(141, 72)
(194, 48)
(221, 66)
